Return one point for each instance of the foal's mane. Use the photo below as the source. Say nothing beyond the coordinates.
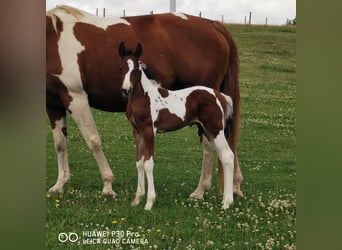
(147, 72)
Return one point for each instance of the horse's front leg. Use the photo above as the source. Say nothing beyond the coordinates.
(148, 138)
(81, 113)
(140, 168)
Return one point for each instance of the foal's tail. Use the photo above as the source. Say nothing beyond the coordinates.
(229, 116)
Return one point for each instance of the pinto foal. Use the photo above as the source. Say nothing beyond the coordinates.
(153, 109)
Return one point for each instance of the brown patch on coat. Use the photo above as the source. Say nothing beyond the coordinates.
(167, 121)
(199, 106)
(57, 95)
(163, 92)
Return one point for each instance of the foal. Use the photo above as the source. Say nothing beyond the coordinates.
(153, 109)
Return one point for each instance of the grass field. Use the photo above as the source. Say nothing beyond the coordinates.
(264, 219)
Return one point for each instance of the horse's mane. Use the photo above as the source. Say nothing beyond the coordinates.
(76, 13)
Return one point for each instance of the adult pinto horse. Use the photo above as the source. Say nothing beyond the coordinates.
(82, 72)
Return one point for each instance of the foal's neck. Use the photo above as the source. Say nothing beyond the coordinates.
(146, 84)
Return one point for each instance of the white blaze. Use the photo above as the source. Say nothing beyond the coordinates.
(126, 84)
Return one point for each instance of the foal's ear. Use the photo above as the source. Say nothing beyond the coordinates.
(122, 49)
(138, 51)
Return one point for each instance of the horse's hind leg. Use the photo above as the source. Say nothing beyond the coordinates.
(207, 165)
(58, 124)
(81, 113)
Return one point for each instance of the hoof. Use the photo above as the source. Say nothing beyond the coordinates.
(148, 207)
(55, 190)
(109, 193)
(196, 196)
(135, 203)
(237, 195)
(226, 203)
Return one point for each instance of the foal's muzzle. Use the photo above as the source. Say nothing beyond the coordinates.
(126, 92)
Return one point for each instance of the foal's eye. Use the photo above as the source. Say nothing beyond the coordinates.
(120, 69)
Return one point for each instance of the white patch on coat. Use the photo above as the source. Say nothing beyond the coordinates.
(70, 15)
(69, 47)
(181, 15)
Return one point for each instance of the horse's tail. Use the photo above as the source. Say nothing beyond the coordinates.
(230, 86)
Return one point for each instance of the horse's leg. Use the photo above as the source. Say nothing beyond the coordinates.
(232, 139)
(237, 179)
(140, 168)
(220, 176)
(226, 156)
(81, 113)
(148, 138)
(207, 165)
(58, 124)
(237, 172)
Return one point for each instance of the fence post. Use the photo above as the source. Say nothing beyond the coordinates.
(200, 14)
(97, 11)
(222, 18)
(266, 21)
(250, 20)
(104, 12)
(124, 12)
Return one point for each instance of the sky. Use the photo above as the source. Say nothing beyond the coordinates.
(233, 11)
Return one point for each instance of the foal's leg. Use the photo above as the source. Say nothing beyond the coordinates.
(226, 156)
(58, 124)
(207, 165)
(140, 168)
(81, 113)
(148, 137)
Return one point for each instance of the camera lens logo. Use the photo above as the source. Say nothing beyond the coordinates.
(68, 237)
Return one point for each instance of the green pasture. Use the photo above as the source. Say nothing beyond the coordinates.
(264, 219)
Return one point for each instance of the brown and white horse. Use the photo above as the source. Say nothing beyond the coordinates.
(153, 109)
(181, 50)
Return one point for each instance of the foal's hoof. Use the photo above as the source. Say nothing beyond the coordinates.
(109, 193)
